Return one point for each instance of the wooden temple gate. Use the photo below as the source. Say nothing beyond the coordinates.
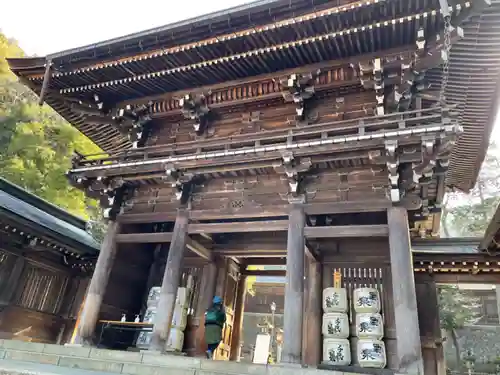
(324, 136)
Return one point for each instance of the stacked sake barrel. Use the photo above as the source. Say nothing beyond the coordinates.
(179, 319)
(335, 328)
(370, 349)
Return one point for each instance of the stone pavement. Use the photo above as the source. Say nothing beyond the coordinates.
(26, 358)
(8, 367)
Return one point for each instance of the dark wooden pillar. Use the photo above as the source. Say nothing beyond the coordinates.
(294, 287)
(409, 350)
(97, 287)
(154, 271)
(206, 294)
(239, 308)
(9, 288)
(430, 330)
(222, 275)
(498, 301)
(170, 284)
(313, 315)
(327, 277)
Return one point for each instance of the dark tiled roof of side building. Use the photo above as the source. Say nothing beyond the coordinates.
(22, 204)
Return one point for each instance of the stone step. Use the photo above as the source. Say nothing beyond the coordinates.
(133, 363)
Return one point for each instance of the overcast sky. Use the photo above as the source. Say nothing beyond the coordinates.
(43, 27)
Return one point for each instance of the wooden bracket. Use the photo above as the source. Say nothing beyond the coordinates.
(194, 107)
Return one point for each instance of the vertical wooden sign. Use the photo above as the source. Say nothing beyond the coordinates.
(337, 279)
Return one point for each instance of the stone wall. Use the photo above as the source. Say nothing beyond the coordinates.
(484, 341)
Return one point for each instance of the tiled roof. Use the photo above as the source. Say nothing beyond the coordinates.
(26, 206)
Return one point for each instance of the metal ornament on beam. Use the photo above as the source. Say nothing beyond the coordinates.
(112, 193)
(294, 170)
(299, 88)
(392, 162)
(120, 195)
(194, 107)
(180, 181)
(132, 121)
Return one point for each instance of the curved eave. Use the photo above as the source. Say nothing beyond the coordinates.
(31, 199)
(212, 24)
(473, 85)
(474, 76)
(301, 26)
(40, 223)
(106, 137)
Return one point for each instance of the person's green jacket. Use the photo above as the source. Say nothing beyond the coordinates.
(215, 317)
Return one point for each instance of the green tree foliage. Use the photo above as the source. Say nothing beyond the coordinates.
(457, 309)
(36, 144)
(8, 48)
(468, 215)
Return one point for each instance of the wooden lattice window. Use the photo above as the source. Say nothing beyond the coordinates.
(43, 290)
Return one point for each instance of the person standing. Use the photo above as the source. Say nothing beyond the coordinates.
(215, 317)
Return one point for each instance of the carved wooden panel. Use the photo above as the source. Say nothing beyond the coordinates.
(343, 104)
(358, 184)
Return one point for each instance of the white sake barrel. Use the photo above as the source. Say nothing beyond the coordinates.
(366, 300)
(335, 300)
(149, 315)
(183, 296)
(370, 326)
(175, 340)
(143, 340)
(335, 325)
(153, 296)
(336, 352)
(179, 318)
(371, 353)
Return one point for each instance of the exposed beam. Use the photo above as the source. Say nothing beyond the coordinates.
(164, 237)
(442, 278)
(199, 249)
(377, 205)
(258, 253)
(459, 278)
(450, 244)
(239, 227)
(345, 231)
(263, 261)
(270, 211)
(161, 237)
(418, 257)
(46, 81)
(312, 252)
(456, 258)
(341, 231)
(194, 262)
(278, 273)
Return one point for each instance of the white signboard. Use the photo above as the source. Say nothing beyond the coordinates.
(261, 353)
